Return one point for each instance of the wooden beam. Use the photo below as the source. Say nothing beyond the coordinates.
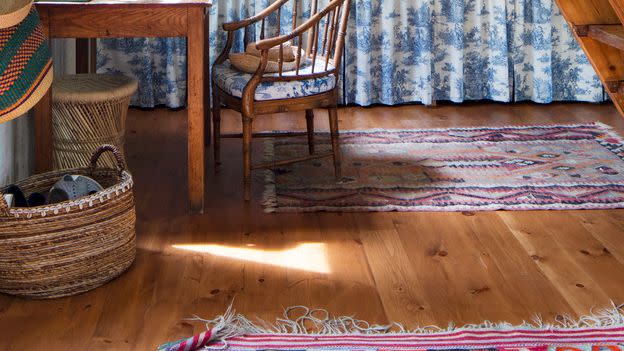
(82, 55)
(43, 119)
(611, 34)
(196, 44)
(615, 86)
(600, 33)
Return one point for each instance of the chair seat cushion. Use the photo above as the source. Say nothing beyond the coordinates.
(234, 81)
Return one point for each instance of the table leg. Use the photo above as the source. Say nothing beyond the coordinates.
(195, 58)
(207, 86)
(43, 134)
(42, 114)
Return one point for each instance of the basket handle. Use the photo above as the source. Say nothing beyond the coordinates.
(121, 165)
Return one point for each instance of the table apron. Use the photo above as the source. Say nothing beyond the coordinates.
(106, 22)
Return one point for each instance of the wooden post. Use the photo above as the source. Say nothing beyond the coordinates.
(196, 50)
(597, 27)
(42, 113)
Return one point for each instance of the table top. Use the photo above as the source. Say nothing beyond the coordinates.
(206, 3)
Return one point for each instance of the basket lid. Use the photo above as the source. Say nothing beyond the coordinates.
(13, 12)
(92, 87)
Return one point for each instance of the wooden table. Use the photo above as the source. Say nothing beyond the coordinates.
(137, 18)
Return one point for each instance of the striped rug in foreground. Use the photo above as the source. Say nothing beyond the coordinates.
(546, 167)
(235, 333)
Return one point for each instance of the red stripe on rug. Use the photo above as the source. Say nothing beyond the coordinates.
(434, 334)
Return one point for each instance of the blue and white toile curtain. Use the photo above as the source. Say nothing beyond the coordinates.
(402, 51)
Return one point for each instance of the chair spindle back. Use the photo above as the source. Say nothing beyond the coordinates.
(324, 37)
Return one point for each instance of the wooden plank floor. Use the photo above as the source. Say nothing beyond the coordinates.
(415, 268)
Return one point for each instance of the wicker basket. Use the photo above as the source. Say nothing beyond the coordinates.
(71, 247)
(89, 110)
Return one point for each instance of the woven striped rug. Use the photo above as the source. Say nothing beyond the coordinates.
(603, 331)
(546, 167)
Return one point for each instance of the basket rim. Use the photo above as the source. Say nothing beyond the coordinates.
(124, 185)
(93, 88)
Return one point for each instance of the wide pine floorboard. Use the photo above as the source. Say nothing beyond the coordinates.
(413, 268)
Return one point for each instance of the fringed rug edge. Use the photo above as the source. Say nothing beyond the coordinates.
(318, 322)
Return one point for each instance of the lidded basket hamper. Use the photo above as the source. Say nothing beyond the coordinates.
(89, 110)
(74, 246)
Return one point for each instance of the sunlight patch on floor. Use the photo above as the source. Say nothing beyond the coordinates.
(310, 257)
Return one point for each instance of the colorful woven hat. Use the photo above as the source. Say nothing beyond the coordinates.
(25, 62)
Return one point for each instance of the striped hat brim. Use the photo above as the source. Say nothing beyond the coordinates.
(28, 102)
(13, 12)
(25, 66)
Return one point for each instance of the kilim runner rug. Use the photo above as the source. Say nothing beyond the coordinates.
(546, 167)
(602, 331)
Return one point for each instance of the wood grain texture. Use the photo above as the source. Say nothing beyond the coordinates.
(612, 34)
(618, 8)
(196, 108)
(584, 12)
(43, 122)
(135, 3)
(116, 22)
(415, 268)
(597, 25)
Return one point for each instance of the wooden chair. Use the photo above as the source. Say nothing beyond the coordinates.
(313, 85)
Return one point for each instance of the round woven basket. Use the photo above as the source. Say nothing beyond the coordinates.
(70, 247)
(89, 110)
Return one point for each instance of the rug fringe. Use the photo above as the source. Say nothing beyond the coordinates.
(301, 320)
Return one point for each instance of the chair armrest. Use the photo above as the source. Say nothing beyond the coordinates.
(232, 26)
(269, 43)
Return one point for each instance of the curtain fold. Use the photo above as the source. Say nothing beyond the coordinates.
(388, 53)
(158, 64)
(16, 149)
(470, 51)
(548, 63)
(400, 51)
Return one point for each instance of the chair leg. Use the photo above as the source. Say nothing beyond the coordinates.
(207, 129)
(310, 124)
(335, 140)
(247, 133)
(216, 122)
